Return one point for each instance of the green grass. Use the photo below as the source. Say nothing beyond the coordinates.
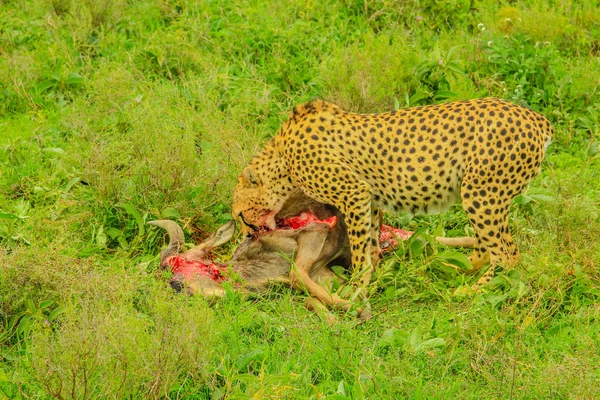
(116, 112)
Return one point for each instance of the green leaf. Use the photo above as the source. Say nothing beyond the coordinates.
(21, 208)
(357, 391)
(415, 338)
(417, 246)
(444, 94)
(454, 67)
(244, 377)
(123, 242)
(55, 313)
(31, 307)
(114, 233)
(46, 84)
(430, 344)
(53, 150)
(88, 250)
(4, 215)
(20, 238)
(45, 304)
(418, 96)
(170, 212)
(522, 199)
(542, 197)
(495, 299)
(136, 215)
(240, 396)
(13, 355)
(218, 393)
(593, 150)
(247, 358)
(557, 329)
(25, 325)
(393, 338)
(70, 184)
(456, 258)
(101, 238)
(74, 80)
(341, 389)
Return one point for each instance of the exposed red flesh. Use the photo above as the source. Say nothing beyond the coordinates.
(191, 268)
(388, 240)
(389, 236)
(303, 220)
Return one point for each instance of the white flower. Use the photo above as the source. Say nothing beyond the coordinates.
(507, 20)
(138, 99)
(537, 44)
(441, 62)
(490, 43)
(481, 27)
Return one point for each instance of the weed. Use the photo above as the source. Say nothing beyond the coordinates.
(116, 112)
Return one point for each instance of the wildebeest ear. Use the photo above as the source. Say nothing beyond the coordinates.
(223, 234)
(249, 177)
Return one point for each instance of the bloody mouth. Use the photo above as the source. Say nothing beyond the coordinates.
(188, 269)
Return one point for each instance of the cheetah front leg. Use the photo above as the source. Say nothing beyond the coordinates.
(352, 196)
(376, 220)
(356, 207)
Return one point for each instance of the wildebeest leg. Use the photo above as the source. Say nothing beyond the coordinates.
(316, 306)
(465, 241)
(310, 244)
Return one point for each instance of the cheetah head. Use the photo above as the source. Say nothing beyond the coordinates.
(257, 198)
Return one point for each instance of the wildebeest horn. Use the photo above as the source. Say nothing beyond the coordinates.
(176, 238)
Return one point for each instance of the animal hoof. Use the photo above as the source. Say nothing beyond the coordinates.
(322, 312)
(330, 319)
(177, 282)
(465, 291)
(365, 314)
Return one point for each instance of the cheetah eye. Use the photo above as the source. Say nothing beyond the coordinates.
(250, 178)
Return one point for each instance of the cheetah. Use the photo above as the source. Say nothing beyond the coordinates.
(420, 159)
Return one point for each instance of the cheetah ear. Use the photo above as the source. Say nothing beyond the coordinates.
(249, 178)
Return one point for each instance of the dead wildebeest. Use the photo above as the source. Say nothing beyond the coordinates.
(310, 238)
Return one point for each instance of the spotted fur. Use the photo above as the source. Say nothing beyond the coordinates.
(420, 159)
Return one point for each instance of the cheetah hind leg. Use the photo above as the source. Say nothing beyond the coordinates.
(508, 259)
(480, 256)
(503, 252)
(494, 243)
